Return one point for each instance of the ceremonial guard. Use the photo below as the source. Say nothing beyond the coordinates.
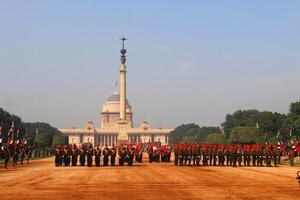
(150, 152)
(253, 154)
(58, 155)
(130, 156)
(113, 154)
(82, 154)
(214, 154)
(176, 154)
(260, 155)
(205, 154)
(275, 154)
(90, 153)
(239, 154)
(139, 150)
(122, 155)
(22, 152)
(267, 153)
(74, 155)
(97, 156)
(105, 155)
(66, 155)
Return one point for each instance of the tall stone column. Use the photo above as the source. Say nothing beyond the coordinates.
(123, 92)
(123, 136)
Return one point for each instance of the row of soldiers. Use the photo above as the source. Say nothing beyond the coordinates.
(229, 155)
(157, 153)
(68, 155)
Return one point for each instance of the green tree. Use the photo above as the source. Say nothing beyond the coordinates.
(244, 134)
(216, 138)
(60, 139)
(191, 133)
(292, 122)
(268, 122)
(43, 139)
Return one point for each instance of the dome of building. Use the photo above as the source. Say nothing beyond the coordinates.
(112, 104)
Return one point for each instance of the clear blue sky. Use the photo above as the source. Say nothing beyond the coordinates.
(188, 61)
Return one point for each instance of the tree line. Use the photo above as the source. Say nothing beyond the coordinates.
(244, 126)
(38, 133)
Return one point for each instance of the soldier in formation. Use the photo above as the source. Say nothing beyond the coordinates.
(160, 153)
(69, 154)
(231, 155)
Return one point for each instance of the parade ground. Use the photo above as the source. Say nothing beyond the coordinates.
(41, 180)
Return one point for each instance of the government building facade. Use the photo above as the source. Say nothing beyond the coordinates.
(116, 121)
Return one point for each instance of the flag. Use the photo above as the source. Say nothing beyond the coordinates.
(36, 134)
(116, 83)
(18, 133)
(278, 133)
(27, 132)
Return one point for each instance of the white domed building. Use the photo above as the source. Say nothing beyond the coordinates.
(116, 122)
(108, 131)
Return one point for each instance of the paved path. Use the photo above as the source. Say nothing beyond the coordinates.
(41, 180)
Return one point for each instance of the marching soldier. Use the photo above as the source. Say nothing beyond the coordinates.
(97, 156)
(105, 155)
(113, 153)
